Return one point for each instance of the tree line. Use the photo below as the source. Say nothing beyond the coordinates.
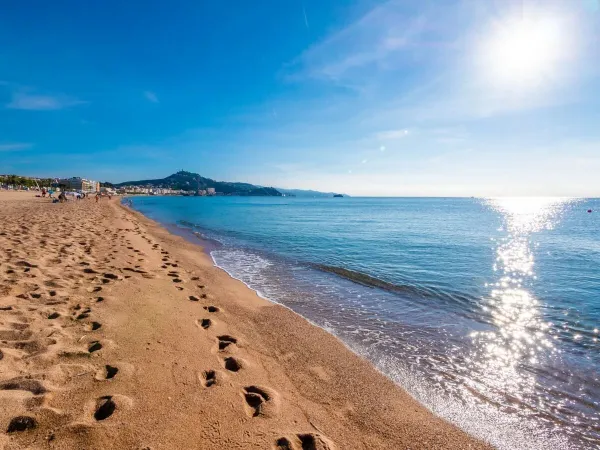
(17, 180)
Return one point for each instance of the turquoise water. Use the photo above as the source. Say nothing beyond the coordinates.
(488, 310)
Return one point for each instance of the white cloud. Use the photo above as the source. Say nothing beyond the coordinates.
(394, 34)
(372, 38)
(15, 146)
(34, 102)
(391, 135)
(151, 96)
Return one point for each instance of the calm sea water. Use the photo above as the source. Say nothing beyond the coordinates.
(490, 310)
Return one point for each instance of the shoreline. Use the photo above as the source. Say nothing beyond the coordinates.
(202, 362)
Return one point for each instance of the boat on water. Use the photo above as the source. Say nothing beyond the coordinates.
(337, 195)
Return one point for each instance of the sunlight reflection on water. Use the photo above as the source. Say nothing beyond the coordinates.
(520, 335)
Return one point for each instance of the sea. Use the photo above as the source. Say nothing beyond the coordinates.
(486, 310)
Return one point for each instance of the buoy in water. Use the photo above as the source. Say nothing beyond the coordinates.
(589, 210)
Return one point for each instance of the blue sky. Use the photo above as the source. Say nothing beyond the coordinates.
(445, 97)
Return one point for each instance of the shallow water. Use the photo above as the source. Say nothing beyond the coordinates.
(486, 310)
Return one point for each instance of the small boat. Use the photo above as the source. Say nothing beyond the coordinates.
(337, 195)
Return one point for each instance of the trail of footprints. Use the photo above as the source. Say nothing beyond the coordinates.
(54, 280)
(258, 401)
(83, 266)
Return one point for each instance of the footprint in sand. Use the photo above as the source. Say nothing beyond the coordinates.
(209, 378)
(84, 314)
(308, 441)
(105, 407)
(204, 323)
(212, 309)
(23, 384)
(260, 401)
(111, 371)
(94, 346)
(21, 423)
(225, 341)
(107, 372)
(233, 364)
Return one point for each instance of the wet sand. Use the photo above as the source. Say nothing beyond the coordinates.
(115, 333)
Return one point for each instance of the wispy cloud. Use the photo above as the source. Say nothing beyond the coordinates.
(391, 135)
(151, 96)
(35, 102)
(305, 17)
(15, 146)
(373, 42)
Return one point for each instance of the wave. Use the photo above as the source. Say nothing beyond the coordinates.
(419, 291)
(186, 223)
(364, 279)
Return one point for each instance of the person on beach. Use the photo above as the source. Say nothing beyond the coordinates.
(62, 197)
(97, 197)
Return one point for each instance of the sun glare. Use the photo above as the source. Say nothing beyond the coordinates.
(523, 52)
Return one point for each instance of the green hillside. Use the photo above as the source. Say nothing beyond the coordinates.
(189, 181)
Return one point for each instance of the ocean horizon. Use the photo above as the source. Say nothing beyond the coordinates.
(486, 310)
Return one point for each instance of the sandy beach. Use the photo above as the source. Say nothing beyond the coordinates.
(115, 333)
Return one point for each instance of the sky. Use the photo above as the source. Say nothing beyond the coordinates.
(369, 98)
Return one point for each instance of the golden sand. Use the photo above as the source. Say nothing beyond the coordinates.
(115, 333)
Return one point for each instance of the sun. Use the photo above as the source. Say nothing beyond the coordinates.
(523, 52)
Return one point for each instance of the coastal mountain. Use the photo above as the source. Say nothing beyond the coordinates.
(189, 181)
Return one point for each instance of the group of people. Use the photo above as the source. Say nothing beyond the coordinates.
(62, 197)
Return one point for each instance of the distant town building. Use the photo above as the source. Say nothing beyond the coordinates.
(210, 191)
(79, 184)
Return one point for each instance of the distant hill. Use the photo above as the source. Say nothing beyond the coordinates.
(307, 193)
(189, 181)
